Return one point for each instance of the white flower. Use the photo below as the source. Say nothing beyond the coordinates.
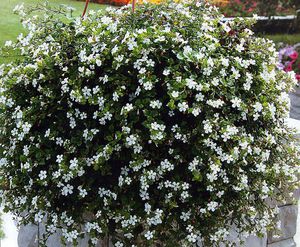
(225, 61)
(240, 47)
(183, 106)
(51, 228)
(73, 164)
(258, 107)
(236, 102)
(155, 104)
(59, 141)
(82, 192)
(187, 50)
(175, 94)
(127, 108)
(68, 189)
(216, 103)
(190, 83)
(207, 127)
(131, 140)
(226, 27)
(106, 20)
(26, 127)
(185, 216)
(196, 111)
(47, 133)
(192, 238)
(43, 175)
(8, 43)
(148, 235)
(156, 126)
(115, 96)
(38, 217)
(166, 72)
(59, 158)
(211, 206)
(119, 244)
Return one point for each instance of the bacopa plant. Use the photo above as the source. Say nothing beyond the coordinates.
(162, 127)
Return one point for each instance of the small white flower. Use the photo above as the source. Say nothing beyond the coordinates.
(185, 216)
(73, 164)
(196, 111)
(68, 189)
(155, 104)
(82, 192)
(8, 43)
(212, 206)
(43, 175)
(192, 238)
(38, 217)
(148, 235)
(190, 83)
(166, 72)
(175, 94)
(131, 140)
(183, 107)
(59, 158)
(258, 107)
(119, 244)
(236, 102)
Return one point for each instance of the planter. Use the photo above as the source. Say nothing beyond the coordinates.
(28, 235)
(295, 104)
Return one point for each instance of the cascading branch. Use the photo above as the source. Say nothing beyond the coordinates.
(164, 126)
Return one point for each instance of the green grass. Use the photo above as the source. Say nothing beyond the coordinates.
(10, 26)
(284, 38)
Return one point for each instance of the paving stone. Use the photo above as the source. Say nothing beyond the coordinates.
(285, 243)
(288, 218)
(254, 241)
(295, 104)
(28, 234)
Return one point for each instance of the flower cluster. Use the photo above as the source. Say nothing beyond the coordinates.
(260, 7)
(162, 127)
(238, 7)
(289, 59)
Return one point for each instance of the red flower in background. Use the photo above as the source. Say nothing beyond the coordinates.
(294, 55)
(289, 59)
(289, 67)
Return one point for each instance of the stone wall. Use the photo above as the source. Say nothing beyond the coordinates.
(288, 217)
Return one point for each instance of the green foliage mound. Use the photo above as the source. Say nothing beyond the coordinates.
(163, 127)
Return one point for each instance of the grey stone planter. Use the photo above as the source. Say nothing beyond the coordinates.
(287, 213)
(295, 104)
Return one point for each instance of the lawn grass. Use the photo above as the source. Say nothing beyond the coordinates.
(10, 26)
(290, 39)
